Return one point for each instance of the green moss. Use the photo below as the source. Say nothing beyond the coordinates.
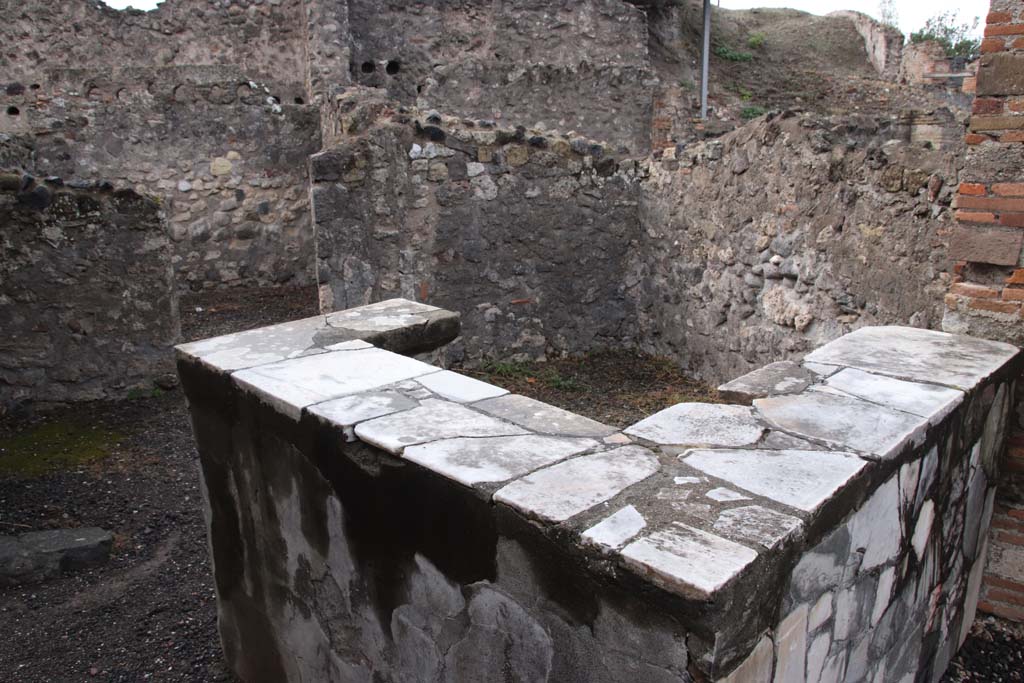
(63, 444)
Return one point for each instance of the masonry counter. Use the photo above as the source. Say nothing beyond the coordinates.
(373, 517)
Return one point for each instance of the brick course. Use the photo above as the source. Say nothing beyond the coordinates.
(989, 236)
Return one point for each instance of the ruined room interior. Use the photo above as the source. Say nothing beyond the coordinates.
(358, 340)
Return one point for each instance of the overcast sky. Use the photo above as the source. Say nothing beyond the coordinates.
(912, 13)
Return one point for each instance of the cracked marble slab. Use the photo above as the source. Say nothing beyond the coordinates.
(926, 400)
(799, 479)
(561, 491)
(459, 388)
(494, 459)
(541, 417)
(433, 420)
(756, 524)
(688, 561)
(294, 384)
(699, 424)
(844, 421)
(916, 354)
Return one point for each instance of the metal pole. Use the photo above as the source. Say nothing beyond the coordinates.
(705, 58)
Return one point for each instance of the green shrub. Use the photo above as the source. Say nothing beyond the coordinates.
(726, 52)
(756, 41)
(752, 112)
(954, 37)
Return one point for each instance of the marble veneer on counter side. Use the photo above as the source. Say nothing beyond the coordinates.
(373, 515)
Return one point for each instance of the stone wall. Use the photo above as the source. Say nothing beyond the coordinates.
(788, 232)
(261, 37)
(227, 159)
(88, 307)
(986, 295)
(530, 236)
(565, 65)
(883, 44)
(377, 518)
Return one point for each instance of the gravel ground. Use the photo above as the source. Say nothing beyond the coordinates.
(150, 614)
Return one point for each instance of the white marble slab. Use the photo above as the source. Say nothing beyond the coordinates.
(926, 400)
(272, 344)
(432, 421)
(541, 417)
(756, 524)
(348, 411)
(916, 354)
(686, 560)
(459, 388)
(294, 384)
(725, 495)
(615, 530)
(700, 424)
(494, 459)
(800, 479)
(558, 492)
(844, 422)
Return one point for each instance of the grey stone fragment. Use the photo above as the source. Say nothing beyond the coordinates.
(699, 424)
(543, 418)
(917, 354)
(844, 422)
(71, 548)
(41, 555)
(783, 377)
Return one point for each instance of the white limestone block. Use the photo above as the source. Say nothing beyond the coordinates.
(757, 667)
(844, 422)
(459, 388)
(700, 424)
(561, 491)
(923, 528)
(791, 647)
(432, 421)
(926, 400)
(756, 524)
(816, 655)
(292, 385)
(800, 479)
(686, 560)
(495, 459)
(876, 527)
(820, 613)
(883, 594)
(615, 530)
(916, 354)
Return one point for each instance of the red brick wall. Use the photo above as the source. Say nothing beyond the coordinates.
(987, 293)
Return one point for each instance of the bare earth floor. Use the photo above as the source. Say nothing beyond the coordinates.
(130, 466)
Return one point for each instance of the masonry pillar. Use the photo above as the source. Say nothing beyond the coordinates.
(987, 293)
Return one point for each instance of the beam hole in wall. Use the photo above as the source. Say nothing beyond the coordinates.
(368, 67)
(299, 100)
(393, 67)
(34, 86)
(13, 111)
